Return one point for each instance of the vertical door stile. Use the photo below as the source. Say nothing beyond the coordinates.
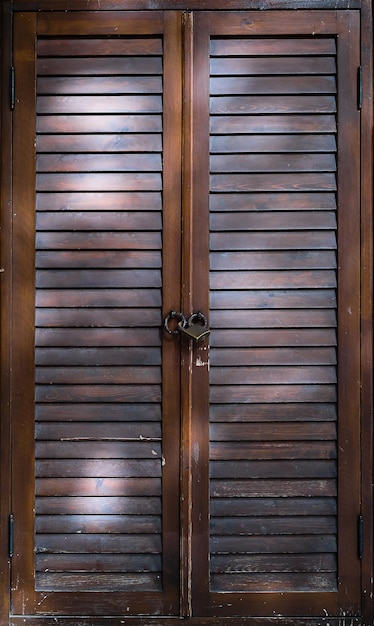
(22, 314)
(367, 265)
(186, 305)
(348, 198)
(6, 117)
(200, 302)
(171, 289)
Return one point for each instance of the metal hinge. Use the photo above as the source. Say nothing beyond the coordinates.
(360, 542)
(359, 88)
(12, 92)
(11, 535)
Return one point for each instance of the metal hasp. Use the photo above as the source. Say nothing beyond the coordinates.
(178, 317)
(195, 328)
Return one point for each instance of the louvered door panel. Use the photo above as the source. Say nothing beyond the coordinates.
(273, 358)
(93, 454)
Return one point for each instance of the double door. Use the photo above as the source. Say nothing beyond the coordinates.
(168, 164)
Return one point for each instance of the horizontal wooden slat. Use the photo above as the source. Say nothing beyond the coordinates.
(99, 468)
(268, 506)
(112, 104)
(273, 489)
(270, 85)
(99, 240)
(273, 544)
(100, 85)
(270, 299)
(274, 563)
(281, 220)
(274, 393)
(98, 505)
(98, 393)
(123, 279)
(91, 449)
(283, 583)
(99, 66)
(308, 431)
(99, 201)
(115, 430)
(141, 162)
(100, 375)
(259, 260)
(248, 104)
(280, 144)
(98, 582)
(95, 523)
(270, 124)
(81, 259)
(269, 46)
(272, 356)
(98, 356)
(104, 46)
(98, 562)
(98, 412)
(273, 469)
(97, 486)
(302, 412)
(318, 162)
(98, 182)
(97, 337)
(96, 542)
(106, 143)
(268, 337)
(276, 65)
(260, 182)
(265, 375)
(276, 201)
(100, 317)
(264, 450)
(271, 240)
(283, 318)
(99, 124)
(45, 487)
(275, 526)
(293, 279)
(92, 221)
(98, 298)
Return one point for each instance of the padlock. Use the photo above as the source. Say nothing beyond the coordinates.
(196, 327)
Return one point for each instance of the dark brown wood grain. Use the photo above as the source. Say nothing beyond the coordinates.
(245, 453)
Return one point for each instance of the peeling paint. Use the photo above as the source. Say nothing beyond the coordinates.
(196, 452)
(200, 363)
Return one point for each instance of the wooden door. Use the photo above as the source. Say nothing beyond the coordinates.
(97, 241)
(275, 467)
(153, 476)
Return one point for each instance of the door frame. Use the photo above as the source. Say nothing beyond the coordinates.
(8, 8)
